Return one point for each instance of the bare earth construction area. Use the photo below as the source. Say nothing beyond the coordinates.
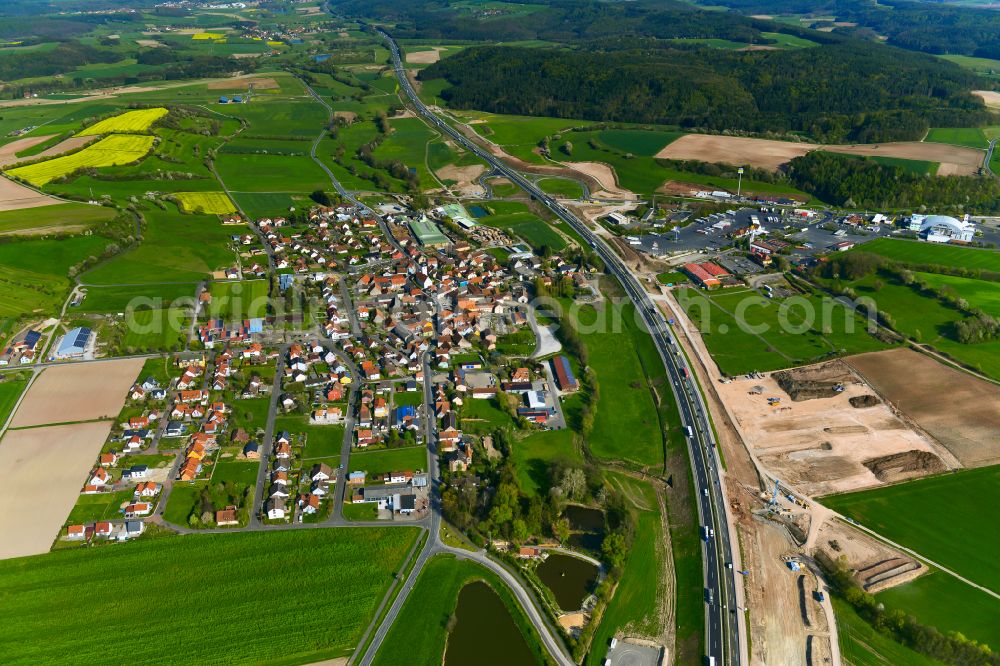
(821, 443)
(768, 154)
(55, 458)
(965, 418)
(79, 392)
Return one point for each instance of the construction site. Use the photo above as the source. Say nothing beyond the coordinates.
(787, 437)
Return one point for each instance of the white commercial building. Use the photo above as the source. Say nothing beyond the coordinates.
(943, 228)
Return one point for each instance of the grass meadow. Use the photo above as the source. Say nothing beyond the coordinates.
(535, 453)
(516, 218)
(372, 463)
(916, 252)
(930, 321)
(10, 390)
(33, 273)
(862, 645)
(738, 351)
(939, 517)
(635, 606)
(59, 217)
(102, 300)
(972, 137)
(175, 248)
(420, 633)
(209, 588)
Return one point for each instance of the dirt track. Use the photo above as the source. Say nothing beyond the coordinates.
(77, 392)
(768, 154)
(965, 418)
(54, 461)
(465, 178)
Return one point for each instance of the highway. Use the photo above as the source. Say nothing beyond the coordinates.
(722, 639)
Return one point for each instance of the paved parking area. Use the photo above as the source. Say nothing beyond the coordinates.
(628, 654)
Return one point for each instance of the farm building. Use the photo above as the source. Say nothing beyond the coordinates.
(457, 213)
(74, 343)
(707, 273)
(564, 374)
(943, 228)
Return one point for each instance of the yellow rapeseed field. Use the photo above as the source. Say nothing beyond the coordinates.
(112, 150)
(139, 120)
(207, 35)
(214, 203)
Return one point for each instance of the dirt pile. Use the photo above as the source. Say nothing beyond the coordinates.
(885, 574)
(904, 465)
(821, 381)
(862, 401)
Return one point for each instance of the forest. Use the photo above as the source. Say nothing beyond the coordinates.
(932, 27)
(850, 92)
(853, 181)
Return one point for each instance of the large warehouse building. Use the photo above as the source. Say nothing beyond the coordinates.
(943, 228)
(74, 343)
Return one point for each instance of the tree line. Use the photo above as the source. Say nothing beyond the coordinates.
(836, 93)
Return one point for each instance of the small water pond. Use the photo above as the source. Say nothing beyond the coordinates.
(484, 632)
(571, 579)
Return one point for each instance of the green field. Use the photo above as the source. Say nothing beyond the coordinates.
(985, 66)
(534, 454)
(919, 167)
(483, 416)
(91, 508)
(926, 318)
(737, 349)
(940, 600)
(979, 293)
(269, 204)
(58, 218)
(862, 645)
(420, 632)
(627, 425)
(916, 252)
(958, 136)
(938, 517)
(101, 300)
(10, 390)
(411, 458)
(161, 329)
(175, 248)
(516, 218)
(238, 300)
(208, 587)
(34, 273)
(270, 173)
(630, 153)
(561, 187)
(637, 599)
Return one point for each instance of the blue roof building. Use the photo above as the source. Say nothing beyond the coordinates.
(256, 325)
(74, 343)
(285, 281)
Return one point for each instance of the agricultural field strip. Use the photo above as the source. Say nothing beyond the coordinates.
(113, 150)
(139, 120)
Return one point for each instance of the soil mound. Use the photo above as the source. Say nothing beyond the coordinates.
(862, 401)
(905, 465)
(823, 381)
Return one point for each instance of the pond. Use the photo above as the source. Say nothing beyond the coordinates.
(570, 579)
(586, 541)
(484, 632)
(585, 519)
(478, 211)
